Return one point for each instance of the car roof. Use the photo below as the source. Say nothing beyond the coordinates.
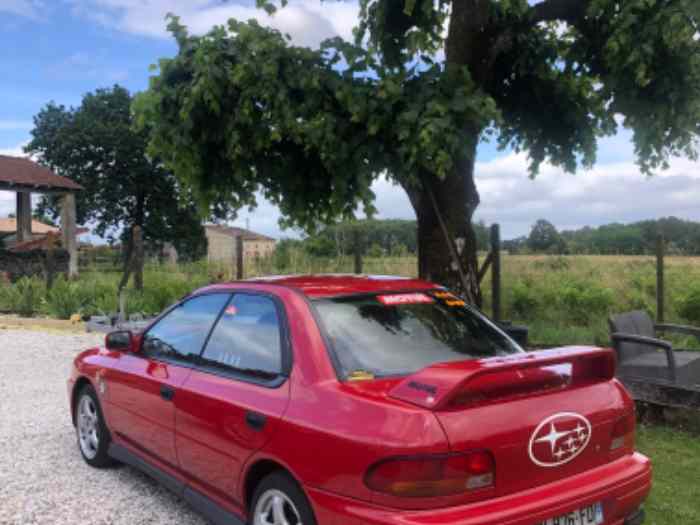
(336, 285)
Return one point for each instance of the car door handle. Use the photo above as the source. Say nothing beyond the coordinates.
(167, 393)
(255, 421)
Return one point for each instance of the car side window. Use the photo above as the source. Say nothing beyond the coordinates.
(247, 339)
(182, 332)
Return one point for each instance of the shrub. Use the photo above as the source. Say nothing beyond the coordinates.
(689, 304)
(25, 296)
(584, 301)
(524, 301)
(66, 298)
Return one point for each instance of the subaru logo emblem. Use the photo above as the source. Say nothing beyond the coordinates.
(559, 439)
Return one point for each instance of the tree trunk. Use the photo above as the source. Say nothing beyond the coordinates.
(128, 266)
(457, 198)
(138, 257)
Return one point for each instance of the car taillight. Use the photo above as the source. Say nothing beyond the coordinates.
(430, 476)
(623, 433)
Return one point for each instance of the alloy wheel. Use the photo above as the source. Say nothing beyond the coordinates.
(275, 508)
(88, 427)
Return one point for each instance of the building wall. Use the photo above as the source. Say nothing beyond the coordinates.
(222, 247)
(258, 248)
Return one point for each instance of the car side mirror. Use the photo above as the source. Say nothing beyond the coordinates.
(122, 341)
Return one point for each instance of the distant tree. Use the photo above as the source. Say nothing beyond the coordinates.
(43, 218)
(544, 238)
(284, 251)
(95, 145)
(241, 108)
(483, 236)
(320, 246)
(515, 246)
(375, 250)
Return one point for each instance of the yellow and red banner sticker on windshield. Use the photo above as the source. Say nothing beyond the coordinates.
(450, 299)
(405, 298)
(360, 375)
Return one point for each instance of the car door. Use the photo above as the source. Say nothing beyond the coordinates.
(144, 385)
(232, 402)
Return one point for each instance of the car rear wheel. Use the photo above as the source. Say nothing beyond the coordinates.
(278, 500)
(93, 436)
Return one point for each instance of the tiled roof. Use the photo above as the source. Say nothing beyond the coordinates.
(10, 226)
(23, 172)
(41, 242)
(233, 231)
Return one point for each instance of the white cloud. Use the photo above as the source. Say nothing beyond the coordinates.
(25, 8)
(15, 151)
(308, 22)
(610, 192)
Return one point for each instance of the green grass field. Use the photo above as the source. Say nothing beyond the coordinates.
(563, 300)
(675, 498)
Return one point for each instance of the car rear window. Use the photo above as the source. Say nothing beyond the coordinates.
(399, 334)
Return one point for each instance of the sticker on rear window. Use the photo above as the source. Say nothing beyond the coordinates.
(405, 298)
(231, 310)
(450, 299)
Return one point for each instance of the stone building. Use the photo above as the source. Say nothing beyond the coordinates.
(222, 243)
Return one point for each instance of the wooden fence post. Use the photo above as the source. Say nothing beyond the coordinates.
(239, 258)
(357, 245)
(660, 286)
(496, 271)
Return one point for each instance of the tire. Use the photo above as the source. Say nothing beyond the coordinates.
(91, 431)
(279, 492)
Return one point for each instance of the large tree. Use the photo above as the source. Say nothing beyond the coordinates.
(96, 145)
(544, 238)
(241, 109)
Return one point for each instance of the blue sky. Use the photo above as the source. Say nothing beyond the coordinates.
(60, 49)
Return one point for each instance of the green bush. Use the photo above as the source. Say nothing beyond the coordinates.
(524, 301)
(157, 296)
(66, 298)
(24, 297)
(583, 301)
(689, 304)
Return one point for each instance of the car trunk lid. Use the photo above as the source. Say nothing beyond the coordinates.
(544, 415)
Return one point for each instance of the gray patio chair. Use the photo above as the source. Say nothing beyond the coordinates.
(642, 354)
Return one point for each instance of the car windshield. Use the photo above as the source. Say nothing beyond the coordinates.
(399, 334)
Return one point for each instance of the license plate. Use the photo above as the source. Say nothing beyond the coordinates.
(591, 515)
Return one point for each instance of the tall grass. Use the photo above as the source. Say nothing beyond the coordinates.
(563, 300)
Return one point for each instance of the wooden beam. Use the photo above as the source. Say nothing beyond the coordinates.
(496, 271)
(660, 288)
(33, 188)
(485, 267)
(24, 216)
(240, 272)
(69, 231)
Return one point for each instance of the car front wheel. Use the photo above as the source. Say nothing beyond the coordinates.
(93, 436)
(278, 500)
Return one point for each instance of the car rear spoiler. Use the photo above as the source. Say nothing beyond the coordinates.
(456, 384)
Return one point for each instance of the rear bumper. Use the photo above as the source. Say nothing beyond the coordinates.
(621, 486)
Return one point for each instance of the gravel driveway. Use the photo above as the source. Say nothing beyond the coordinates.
(43, 479)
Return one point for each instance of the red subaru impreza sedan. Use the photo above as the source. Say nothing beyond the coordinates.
(347, 400)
